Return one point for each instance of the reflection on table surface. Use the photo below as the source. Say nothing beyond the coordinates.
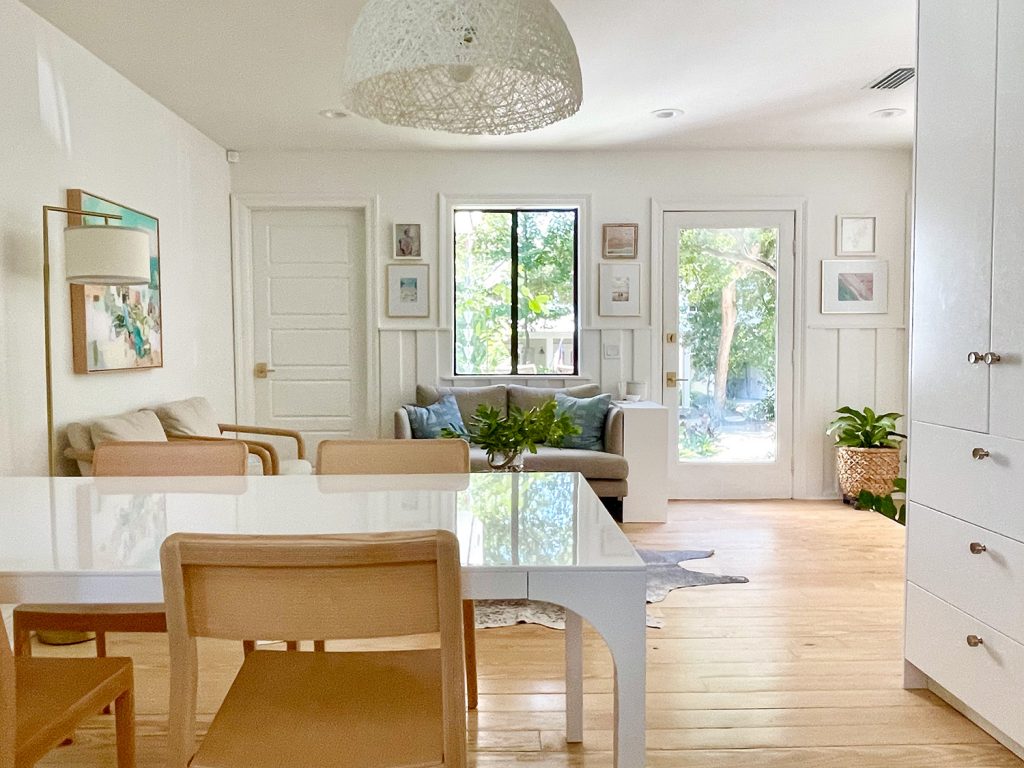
(514, 521)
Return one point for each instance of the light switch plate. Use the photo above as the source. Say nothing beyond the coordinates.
(611, 352)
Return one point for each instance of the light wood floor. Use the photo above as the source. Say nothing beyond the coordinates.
(800, 667)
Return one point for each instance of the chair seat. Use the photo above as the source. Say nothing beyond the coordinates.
(367, 709)
(85, 686)
(295, 467)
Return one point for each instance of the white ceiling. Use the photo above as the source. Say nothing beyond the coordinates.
(748, 73)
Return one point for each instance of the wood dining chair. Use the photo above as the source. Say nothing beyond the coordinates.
(397, 707)
(407, 457)
(43, 700)
(128, 459)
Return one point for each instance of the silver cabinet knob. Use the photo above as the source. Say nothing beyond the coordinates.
(975, 357)
(974, 641)
(977, 548)
(980, 454)
(991, 358)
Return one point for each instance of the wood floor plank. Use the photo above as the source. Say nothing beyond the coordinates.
(800, 668)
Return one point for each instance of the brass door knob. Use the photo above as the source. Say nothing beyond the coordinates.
(980, 454)
(974, 641)
(991, 358)
(261, 370)
(977, 548)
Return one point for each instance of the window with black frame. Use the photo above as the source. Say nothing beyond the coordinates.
(516, 291)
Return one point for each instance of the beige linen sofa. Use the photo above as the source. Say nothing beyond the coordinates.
(606, 470)
(191, 419)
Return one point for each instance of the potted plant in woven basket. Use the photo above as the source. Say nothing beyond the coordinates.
(867, 450)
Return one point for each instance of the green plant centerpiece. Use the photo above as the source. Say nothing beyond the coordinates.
(867, 451)
(505, 438)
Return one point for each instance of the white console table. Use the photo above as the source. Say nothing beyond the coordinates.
(645, 435)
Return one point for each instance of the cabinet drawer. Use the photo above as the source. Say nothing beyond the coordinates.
(988, 678)
(944, 475)
(988, 585)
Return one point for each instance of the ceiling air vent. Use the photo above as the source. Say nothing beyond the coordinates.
(892, 80)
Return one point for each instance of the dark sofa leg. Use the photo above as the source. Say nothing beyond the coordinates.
(614, 507)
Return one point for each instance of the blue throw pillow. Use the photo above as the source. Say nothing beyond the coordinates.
(588, 413)
(428, 421)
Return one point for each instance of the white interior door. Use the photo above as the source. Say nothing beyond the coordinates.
(309, 322)
(728, 353)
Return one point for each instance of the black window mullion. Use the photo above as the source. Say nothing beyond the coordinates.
(515, 292)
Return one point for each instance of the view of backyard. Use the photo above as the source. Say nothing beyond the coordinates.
(727, 338)
(521, 260)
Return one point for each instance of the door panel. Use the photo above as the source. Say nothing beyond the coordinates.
(953, 221)
(1007, 376)
(728, 298)
(308, 323)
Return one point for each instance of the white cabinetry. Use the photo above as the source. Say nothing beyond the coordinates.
(644, 436)
(965, 552)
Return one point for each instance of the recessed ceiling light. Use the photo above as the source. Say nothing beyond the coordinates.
(885, 114)
(667, 113)
(333, 113)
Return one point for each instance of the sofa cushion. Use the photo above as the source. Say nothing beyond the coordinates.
(468, 398)
(587, 413)
(194, 417)
(140, 425)
(427, 421)
(593, 465)
(530, 397)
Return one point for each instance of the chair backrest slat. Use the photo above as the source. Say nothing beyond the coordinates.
(170, 459)
(312, 587)
(392, 457)
(8, 714)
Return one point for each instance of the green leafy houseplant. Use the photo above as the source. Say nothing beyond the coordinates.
(885, 505)
(867, 451)
(865, 429)
(504, 438)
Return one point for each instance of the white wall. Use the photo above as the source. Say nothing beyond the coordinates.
(854, 360)
(68, 120)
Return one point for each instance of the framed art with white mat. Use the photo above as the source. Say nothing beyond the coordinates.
(854, 287)
(619, 289)
(408, 290)
(855, 235)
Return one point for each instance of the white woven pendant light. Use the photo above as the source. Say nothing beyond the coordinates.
(463, 66)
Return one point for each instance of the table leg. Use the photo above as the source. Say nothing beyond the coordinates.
(573, 677)
(615, 605)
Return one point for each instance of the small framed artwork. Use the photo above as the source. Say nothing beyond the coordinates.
(408, 290)
(618, 241)
(407, 241)
(619, 290)
(855, 235)
(854, 287)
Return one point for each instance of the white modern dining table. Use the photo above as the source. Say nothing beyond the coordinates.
(537, 536)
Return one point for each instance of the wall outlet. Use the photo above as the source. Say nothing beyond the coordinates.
(611, 352)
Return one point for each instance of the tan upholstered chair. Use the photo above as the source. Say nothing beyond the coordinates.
(42, 700)
(194, 419)
(407, 457)
(139, 459)
(358, 708)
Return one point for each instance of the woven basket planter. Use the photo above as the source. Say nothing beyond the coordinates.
(871, 469)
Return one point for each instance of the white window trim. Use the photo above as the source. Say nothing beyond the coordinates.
(447, 205)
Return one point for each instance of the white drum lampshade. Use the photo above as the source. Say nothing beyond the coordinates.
(106, 255)
(462, 66)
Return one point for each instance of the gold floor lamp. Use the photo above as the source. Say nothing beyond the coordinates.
(93, 255)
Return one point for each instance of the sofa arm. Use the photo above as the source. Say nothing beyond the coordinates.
(613, 430)
(403, 429)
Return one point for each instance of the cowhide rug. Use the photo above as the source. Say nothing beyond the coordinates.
(664, 573)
